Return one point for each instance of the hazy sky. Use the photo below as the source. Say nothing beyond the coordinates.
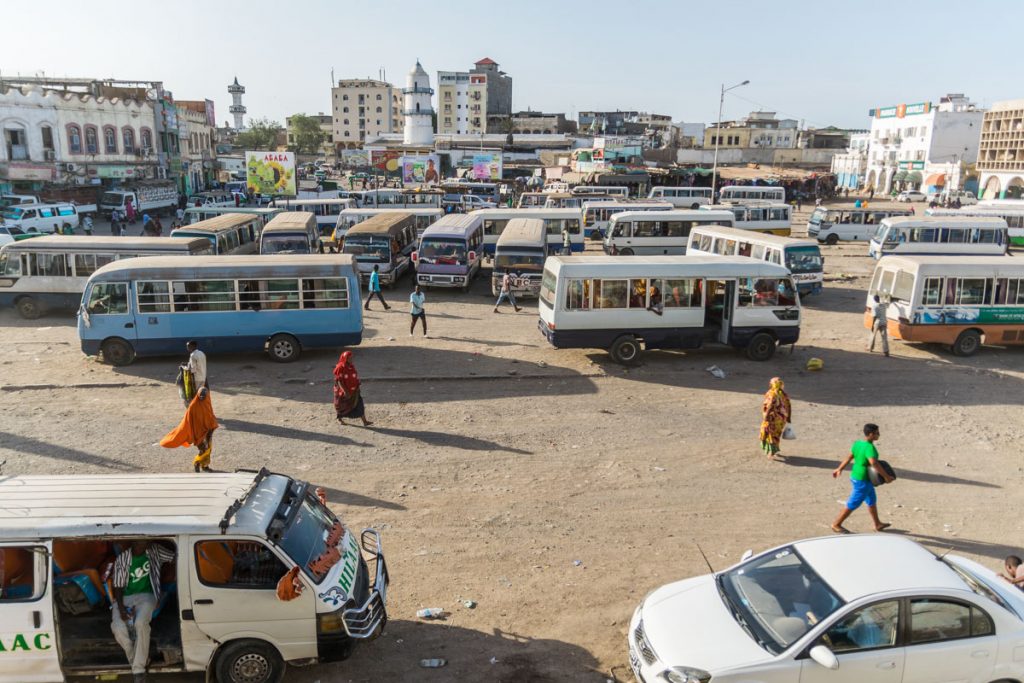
(821, 62)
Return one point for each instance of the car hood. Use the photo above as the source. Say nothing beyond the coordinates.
(687, 624)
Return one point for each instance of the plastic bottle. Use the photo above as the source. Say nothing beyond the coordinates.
(430, 613)
(433, 663)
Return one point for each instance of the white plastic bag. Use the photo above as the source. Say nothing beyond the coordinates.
(789, 433)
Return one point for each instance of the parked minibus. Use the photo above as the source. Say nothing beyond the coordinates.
(422, 217)
(667, 302)
(762, 217)
(533, 200)
(450, 252)
(395, 198)
(959, 301)
(212, 198)
(555, 221)
(44, 218)
(278, 304)
(832, 225)
(1014, 217)
(486, 191)
(387, 241)
(194, 214)
(520, 251)
(801, 256)
(657, 232)
(564, 200)
(292, 232)
(230, 233)
(940, 235)
(596, 215)
(325, 209)
(746, 193)
(615, 191)
(230, 537)
(49, 272)
(686, 197)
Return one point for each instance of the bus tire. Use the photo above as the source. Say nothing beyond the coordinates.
(117, 352)
(694, 206)
(832, 240)
(761, 347)
(625, 350)
(283, 348)
(625, 252)
(967, 344)
(29, 308)
(66, 227)
(249, 661)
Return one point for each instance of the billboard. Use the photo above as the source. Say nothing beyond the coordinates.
(420, 170)
(355, 158)
(486, 166)
(211, 116)
(270, 172)
(386, 161)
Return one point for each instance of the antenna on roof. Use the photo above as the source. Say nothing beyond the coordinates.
(701, 551)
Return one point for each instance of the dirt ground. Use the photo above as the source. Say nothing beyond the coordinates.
(552, 487)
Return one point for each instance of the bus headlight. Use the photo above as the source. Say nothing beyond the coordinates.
(685, 674)
(329, 622)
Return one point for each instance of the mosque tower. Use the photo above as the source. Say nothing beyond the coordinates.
(237, 109)
(419, 125)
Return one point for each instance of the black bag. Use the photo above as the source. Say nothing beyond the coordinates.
(873, 475)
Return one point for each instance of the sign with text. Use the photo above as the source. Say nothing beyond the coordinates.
(900, 111)
(270, 173)
(486, 166)
(386, 161)
(420, 170)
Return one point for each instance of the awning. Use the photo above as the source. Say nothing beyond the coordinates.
(900, 176)
(914, 177)
(938, 179)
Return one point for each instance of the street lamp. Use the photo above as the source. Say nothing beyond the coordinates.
(718, 132)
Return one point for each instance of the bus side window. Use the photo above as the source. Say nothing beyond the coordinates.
(18, 574)
(108, 298)
(932, 294)
(758, 252)
(577, 295)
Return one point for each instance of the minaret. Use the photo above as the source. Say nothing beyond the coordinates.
(419, 126)
(237, 109)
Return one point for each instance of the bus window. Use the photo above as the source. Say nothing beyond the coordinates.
(622, 229)
(780, 214)
(932, 294)
(494, 227)
(85, 264)
(679, 293)
(856, 218)
(577, 295)
(757, 252)
(744, 249)
(964, 291)
(765, 292)
(108, 298)
(774, 256)
(677, 228)
(614, 294)
(153, 297)
(325, 293)
(204, 295)
(903, 286)
(53, 265)
(647, 229)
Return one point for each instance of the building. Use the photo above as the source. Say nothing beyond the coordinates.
(850, 166)
(418, 113)
(826, 138)
(759, 130)
(461, 103)
(608, 122)
(923, 146)
(1001, 151)
(499, 94)
(237, 109)
(197, 132)
(326, 122)
(362, 108)
(539, 123)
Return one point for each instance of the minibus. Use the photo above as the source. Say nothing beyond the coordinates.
(486, 191)
(532, 200)
(667, 302)
(44, 218)
(555, 221)
(212, 198)
(520, 251)
(230, 233)
(1014, 217)
(767, 217)
(831, 226)
(686, 197)
(422, 217)
(940, 235)
(194, 214)
(292, 232)
(596, 215)
(49, 272)
(746, 193)
(657, 232)
(959, 301)
(801, 256)
(230, 538)
(325, 209)
(450, 252)
(615, 191)
(387, 241)
(564, 200)
(392, 198)
(227, 304)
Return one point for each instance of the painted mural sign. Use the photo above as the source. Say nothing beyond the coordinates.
(900, 111)
(1006, 315)
(486, 166)
(270, 173)
(420, 170)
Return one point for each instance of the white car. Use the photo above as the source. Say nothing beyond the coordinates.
(910, 196)
(8, 234)
(866, 608)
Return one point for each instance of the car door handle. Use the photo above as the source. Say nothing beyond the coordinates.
(204, 601)
(980, 654)
(887, 665)
(37, 619)
(129, 324)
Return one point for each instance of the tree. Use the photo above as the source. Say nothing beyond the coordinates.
(261, 134)
(307, 134)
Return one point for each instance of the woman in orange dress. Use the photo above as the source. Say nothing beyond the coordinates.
(196, 429)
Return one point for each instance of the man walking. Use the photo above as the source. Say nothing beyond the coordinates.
(137, 590)
(375, 290)
(196, 368)
(416, 300)
(566, 241)
(879, 325)
(863, 455)
(506, 293)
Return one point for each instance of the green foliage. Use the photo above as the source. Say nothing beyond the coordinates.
(307, 134)
(261, 134)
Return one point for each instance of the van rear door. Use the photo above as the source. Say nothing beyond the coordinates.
(28, 645)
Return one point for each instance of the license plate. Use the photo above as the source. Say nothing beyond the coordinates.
(634, 664)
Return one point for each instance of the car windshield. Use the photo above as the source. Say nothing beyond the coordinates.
(527, 261)
(880, 232)
(803, 259)
(305, 539)
(818, 215)
(12, 213)
(776, 598)
(368, 249)
(443, 252)
(285, 245)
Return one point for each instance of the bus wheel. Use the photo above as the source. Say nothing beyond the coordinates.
(625, 252)
(625, 350)
(761, 346)
(29, 308)
(118, 352)
(832, 240)
(249, 661)
(694, 206)
(967, 344)
(283, 348)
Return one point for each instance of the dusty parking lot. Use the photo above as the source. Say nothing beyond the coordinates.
(552, 487)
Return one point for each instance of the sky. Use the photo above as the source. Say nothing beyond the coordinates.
(822, 63)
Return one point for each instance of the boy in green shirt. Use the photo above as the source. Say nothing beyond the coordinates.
(863, 455)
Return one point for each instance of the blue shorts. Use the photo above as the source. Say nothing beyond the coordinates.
(863, 492)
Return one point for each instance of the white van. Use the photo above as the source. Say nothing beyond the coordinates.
(232, 536)
(41, 217)
(16, 199)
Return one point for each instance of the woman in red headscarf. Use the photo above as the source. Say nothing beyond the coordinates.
(348, 401)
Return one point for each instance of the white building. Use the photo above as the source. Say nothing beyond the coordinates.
(1001, 157)
(922, 145)
(461, 102)
(32, 143)
(419, 126)
(364, 108)
(850, 166)
(237, 109)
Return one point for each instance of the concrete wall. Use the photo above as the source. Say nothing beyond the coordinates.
(732, 156)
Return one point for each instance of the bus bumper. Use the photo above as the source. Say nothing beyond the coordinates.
(441, 280)
(809, 288)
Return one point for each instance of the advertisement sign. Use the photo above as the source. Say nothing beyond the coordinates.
(386, 161)
(355, 158)
(270, 173)
(899, 111)
(420, 170)
(964, 316)
(486, 166)
(115, 171)
(912, 165)
(17, 171)
(211, 118)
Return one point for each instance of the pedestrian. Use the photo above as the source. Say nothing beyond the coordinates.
(87, 225)
(180, 215)
(879, 325)
(1013, 571)
(195, 429)
(374, 289)
(416, 300)
(506, 293)
(115, 223)
(129, 207)
(871, 192)
(348, 397)
(193, 372)
(776, 413)
(158, 226)
(864, 456)
(566, 241)
(799, 202)
(136, 591)
(147, 225)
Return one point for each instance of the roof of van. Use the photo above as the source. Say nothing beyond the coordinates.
(767, 237)
(135, 504)
(101, 243)
(450, 224)
(992, 265)
(941, 221)
(523, 232)
(414, 210)
(662, 266)
(381, 224)
(528, 212)
(627, 202)
(156, 267)
(674, 214)
(290, 220)
(224, 221)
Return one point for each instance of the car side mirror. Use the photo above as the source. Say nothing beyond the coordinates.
(746, 555)
(825, 657)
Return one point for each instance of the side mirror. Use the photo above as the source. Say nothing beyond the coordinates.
(472, 256)
(746, 555)
(825, 657)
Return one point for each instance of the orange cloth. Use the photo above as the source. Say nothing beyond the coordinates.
(289, 586)
(198, 423)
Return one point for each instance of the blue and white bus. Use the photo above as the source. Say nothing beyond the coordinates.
(228, 304)
(555, 220)
(196, 214)
(450, 252)
(230, 233)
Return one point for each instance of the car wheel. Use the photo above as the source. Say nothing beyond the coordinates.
(117, 352)
(967, 344)
(625, 252)
(832, 240)
(625, 350)
(695, 206)
(283, 348)
(761, 347)
(29, 308)
(249, 661)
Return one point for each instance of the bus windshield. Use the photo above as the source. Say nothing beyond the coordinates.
(880, 232)
(818, 214)
(368, 249)
(443, 252)
(13, 213)
(285, 244)
(532, 261)
(804, 259)
(9, 264)
(305, 538)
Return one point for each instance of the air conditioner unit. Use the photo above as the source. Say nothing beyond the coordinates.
(50, 155)
(146, 151)
(70, 168)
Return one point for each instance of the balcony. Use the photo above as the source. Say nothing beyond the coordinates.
(17, 152)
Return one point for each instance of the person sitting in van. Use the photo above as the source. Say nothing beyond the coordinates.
(137, 591)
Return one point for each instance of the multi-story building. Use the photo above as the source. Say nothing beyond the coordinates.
(197, 132)
(608, 122)
(536, 122)
(326, 122)
(1001, 151)
(922, 146)
(364, 107)
(849, 167)
(499, 94)
(462, 101)
(759, 130)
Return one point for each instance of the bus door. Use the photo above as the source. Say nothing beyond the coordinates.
(26, 602)
(718, 309)
(108, 313)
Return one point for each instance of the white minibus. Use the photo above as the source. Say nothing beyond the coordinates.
(532, 200)
(450, 252)
(667, 302)
(555, 221)
(386, 241)
(801, 256)
(292, 232)
(43, 218)
(1014, 217)
(761, 217)
(195, 214)
(940, 235)
(229, 233)
(615, 191)
(687, 197)
(596, 215)
(832, 225)
(422, 217)
(520, 251)
(657, 232)
(744, 193)
(325, 209)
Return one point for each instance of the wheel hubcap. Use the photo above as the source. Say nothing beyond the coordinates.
(283, 349)
(250, 667)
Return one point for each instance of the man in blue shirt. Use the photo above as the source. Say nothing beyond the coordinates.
(375, 289)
